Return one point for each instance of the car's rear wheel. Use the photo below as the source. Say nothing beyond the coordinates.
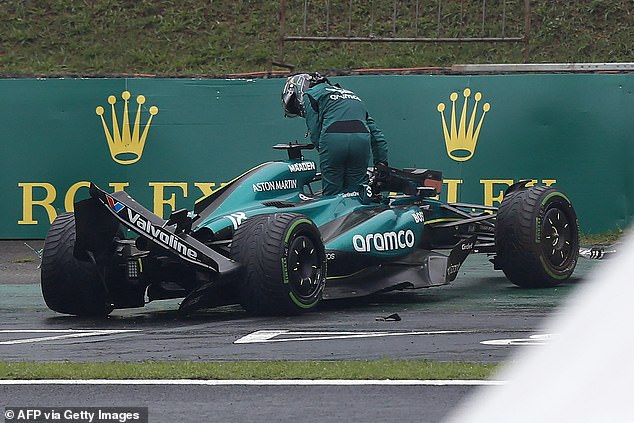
(283, 264)
(536, 237)
(70, 285)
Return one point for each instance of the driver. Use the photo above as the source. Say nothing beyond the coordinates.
(340, 128)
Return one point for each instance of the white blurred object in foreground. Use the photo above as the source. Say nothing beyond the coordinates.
(584, 373)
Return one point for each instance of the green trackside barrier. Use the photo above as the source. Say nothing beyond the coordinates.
(169, 142)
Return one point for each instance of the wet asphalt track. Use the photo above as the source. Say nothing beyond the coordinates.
(448, 323)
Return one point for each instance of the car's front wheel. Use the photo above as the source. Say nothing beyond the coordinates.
(536, 237)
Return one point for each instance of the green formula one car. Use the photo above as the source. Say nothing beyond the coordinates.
(267, 241)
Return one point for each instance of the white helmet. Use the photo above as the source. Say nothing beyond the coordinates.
(293, 94)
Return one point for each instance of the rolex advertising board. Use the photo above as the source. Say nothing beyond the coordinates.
(171, 142)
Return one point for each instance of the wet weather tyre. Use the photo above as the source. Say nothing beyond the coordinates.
(536, 237)
(283, 262)
(70, 285)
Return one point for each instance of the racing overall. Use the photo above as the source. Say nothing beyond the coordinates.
(344, 134)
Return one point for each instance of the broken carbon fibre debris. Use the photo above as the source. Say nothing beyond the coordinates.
(597, 253)
(391, 318)
(38, 253)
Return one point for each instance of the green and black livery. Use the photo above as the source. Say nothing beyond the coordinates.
(270, 242)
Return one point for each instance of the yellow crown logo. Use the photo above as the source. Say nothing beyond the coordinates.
(461, 139)
(126, 144)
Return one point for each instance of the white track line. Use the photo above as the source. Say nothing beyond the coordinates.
(64, 334)
(268, 336)
(259, 382)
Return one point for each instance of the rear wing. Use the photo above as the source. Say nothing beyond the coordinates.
(91, 222)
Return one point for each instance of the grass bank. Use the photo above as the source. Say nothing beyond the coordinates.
(601, 239)
(354, 370)
(204, 37)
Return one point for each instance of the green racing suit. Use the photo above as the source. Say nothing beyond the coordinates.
(344, 134)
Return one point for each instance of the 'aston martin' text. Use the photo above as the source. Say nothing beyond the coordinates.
(275, 185)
